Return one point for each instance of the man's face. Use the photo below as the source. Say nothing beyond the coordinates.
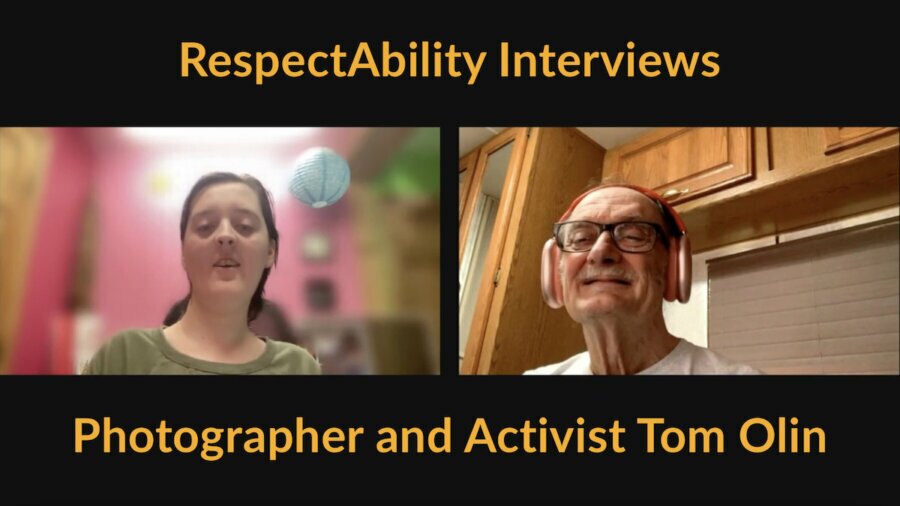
(606, 281)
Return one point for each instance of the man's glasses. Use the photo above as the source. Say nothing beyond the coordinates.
(629, 236)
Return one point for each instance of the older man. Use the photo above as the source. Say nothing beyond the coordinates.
(614, 258)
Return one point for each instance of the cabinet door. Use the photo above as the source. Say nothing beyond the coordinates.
(684, 163)
(485, 219)
(838, 138)
(466, 169)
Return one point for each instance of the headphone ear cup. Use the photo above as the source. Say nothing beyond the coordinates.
(551, 286)
(684, 269)
(671, 290)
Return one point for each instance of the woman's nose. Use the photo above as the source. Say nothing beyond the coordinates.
(225, 237)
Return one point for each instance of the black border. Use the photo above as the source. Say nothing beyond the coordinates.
(73, 67)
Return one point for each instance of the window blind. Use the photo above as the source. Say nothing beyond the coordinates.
(824, 305)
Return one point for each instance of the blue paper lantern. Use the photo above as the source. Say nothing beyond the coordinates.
(321, 178)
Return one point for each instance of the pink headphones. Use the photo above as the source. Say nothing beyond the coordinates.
(678, 274)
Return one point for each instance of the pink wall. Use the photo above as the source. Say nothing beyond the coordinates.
(288, 279)
(65, 192)
(137, 256)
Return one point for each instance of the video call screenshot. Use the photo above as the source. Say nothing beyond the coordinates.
(229, 260)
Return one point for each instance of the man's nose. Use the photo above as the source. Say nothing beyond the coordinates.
(604, 250)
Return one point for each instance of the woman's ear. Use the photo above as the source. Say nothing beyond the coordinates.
(270, 261)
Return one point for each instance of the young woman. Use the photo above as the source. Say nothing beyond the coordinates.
(229, 245)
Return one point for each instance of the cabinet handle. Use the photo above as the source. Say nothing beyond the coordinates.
(674, 192)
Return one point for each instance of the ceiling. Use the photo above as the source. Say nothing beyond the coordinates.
(608, 137)
(368, 150)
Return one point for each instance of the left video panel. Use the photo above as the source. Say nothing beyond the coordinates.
(190, 250)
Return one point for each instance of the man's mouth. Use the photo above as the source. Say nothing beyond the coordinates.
(617, 281)
(228, 263)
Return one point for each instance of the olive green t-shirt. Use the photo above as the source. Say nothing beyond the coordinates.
(146, 351)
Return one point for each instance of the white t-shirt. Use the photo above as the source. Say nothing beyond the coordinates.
(685, 358)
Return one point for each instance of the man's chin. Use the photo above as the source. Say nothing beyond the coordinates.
(596, 309)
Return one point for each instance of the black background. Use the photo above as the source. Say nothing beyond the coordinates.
(69, 66)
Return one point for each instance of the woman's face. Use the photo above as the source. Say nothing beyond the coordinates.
(226, 245)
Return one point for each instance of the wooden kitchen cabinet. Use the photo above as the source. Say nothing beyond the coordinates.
(745, 183)
(509, 328)
(838, 138)
(684, 163)
(801, 151)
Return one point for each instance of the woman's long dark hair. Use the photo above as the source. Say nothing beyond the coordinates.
(265, 204)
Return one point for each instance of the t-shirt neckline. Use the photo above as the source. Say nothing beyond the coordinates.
(213, 367)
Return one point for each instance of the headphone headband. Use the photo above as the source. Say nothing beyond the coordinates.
(655, 197)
